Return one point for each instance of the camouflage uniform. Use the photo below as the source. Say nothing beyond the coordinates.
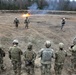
(16, 22)
(15, 56)
(63, 23)
(29, 58)
(59, 59)
(26, 22)
(73, 56)
(46, 54)
(2, 54)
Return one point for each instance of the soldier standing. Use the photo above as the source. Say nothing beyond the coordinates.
(73, 56)
(46, 55)
(2, 54)
(59, 59)
(29, 58)
(16, 22)
(63, 23)
(26, 22)
(15, 56)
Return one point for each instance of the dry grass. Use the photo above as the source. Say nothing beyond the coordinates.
(41, 28)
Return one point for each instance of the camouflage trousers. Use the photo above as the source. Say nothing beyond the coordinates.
(45, 69)
(16, 25)
(73, 65)
(29, 67)
(16, 67)
(58, 68)
(1, 65)
(62, 26)
(26, 26)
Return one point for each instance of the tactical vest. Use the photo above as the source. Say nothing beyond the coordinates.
(29, 55)
(60, 56)
(46, 55)
(27, 21)
(15, 53)
(16, 21)
(63, 21)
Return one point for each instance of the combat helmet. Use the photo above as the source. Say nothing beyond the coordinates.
(47, 44)
(29, 46)
(61, 45)
(63, 18)
(15, 41)
(15, 17)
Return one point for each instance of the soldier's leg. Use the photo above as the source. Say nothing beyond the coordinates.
(1, 65)
(16, 25)
(28, 70)
(56, 69)
(48, 71)
(32, 70)
(75, 68)
(42, 69)
(60, 69)
(26, 25)
(0, 68)
(62, 26)
(19, 68)
(14, 63)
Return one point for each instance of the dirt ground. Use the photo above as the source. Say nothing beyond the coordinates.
(41, 28)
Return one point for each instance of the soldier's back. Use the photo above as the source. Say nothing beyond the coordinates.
(29, 55)
(60, 56)
(15, 53)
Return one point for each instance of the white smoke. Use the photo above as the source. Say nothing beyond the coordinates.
(34, 6)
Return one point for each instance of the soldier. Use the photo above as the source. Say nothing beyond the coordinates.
(46, 55)
(29, 58)
(26, 22)
(63, 23)
(15, 56)
(59, 59)
(16, 22)
(73, 57)
(2, 54)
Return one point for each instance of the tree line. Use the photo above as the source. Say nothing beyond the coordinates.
(41, 4)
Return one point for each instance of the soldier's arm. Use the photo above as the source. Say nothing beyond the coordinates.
(20, 51)
(9, 52)
(28, 21)
(53, 54)
(40, 53)
(24, 56)
(34, 56)
(71, 48)
(3, 53)
(66, 54)
(56, 54)
(18, 22)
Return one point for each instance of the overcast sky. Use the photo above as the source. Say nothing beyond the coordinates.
(72, 0)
